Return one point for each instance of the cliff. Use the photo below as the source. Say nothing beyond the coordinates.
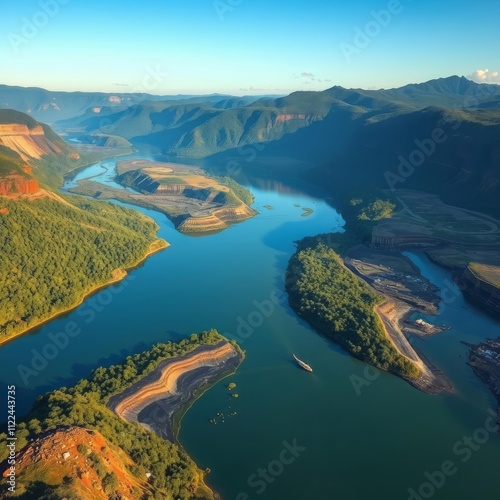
(28, 143)
(13, 185)
(218, 220)
(481, 284)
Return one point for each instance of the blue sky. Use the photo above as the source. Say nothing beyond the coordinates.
(245, 46)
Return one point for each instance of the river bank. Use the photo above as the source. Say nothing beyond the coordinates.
(117, 276)
(160, 399)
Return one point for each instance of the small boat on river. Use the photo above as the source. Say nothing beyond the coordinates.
(302, 364)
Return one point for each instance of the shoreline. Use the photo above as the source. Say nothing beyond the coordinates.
(159, 401)
(71, 174)
(431, 380)
(120, 274)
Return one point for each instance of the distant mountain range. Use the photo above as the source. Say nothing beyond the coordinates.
(49, 106)
(442, 136)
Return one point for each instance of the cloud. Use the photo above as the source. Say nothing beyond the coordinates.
(308, 77)
(485, 76)
(121, 85)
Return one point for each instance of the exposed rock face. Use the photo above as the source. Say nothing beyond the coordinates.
(171, 385)
(18, 185)
(480, 290)
(218, 220)
(287, 117)
(28, 143)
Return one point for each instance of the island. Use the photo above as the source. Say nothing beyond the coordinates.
(194, 201)
(73, 445)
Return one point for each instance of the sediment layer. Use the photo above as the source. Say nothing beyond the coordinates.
(154, 400)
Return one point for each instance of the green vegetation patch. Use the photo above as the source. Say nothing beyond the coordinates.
(484, 272)
(241, 192)
(55, 252)
(324, 292)
(170, 180)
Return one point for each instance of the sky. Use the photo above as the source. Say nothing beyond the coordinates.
(244, 47)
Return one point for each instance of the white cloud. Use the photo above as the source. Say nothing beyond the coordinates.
(485, 76)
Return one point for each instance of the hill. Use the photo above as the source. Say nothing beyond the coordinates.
(56, 249)
(50, 106)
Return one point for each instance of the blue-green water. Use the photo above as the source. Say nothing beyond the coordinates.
(374, 443)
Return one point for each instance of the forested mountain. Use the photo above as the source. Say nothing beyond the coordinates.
(55, 249)
(49, 106)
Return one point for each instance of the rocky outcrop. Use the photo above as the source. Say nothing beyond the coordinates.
(28, 143)
(478, 289)
(13, 185)
(287, 117)
(220, 219)
(67, 450)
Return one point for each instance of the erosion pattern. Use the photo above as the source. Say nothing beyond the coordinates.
(154, 400)
(28, 143)
(56, 455)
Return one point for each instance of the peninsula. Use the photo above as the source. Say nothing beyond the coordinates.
(154, 400)
(194, 201)
(92, 450)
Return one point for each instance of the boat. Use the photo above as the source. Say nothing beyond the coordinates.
(302, 364)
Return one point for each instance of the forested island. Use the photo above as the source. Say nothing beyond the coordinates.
(152, 466)
(325, 293)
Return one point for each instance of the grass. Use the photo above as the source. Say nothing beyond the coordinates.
(171, 180)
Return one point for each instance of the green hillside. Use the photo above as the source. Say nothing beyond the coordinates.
(56, 251)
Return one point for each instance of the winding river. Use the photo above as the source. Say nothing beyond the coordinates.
(356, 434)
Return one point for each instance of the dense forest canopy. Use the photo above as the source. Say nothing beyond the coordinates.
(324, 292)
(56, 250)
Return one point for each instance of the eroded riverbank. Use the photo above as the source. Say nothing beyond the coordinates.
(154, 401)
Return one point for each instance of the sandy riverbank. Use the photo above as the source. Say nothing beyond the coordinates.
(393, 313)
(156, 400)
(117, 276)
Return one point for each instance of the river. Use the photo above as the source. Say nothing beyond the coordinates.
(354, 434)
